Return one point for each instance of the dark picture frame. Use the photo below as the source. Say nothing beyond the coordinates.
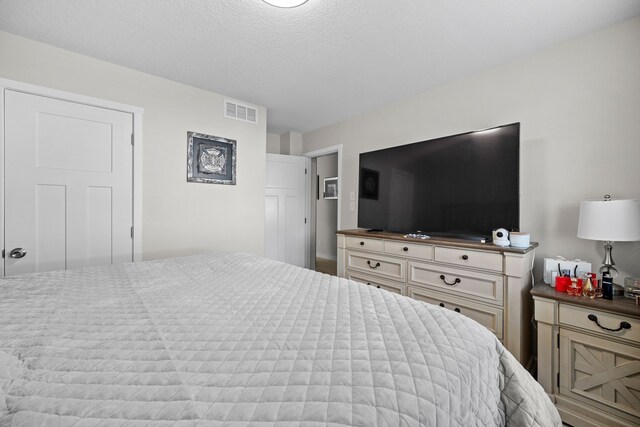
(211, 159)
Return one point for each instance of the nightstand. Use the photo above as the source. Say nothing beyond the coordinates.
(589, 357)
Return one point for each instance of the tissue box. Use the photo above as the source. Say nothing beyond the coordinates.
(576, 266)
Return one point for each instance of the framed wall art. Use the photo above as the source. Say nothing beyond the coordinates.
(211, 159)
(330, 188)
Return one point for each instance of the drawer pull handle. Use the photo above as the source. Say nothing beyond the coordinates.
(378, 286)
(361, 243)
(444, 279)
(465, 257)
(441, 304)
(457, 310)
(373, 266)
(405, 249)
(623, 325)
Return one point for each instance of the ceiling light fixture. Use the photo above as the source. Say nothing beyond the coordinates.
(285, 3)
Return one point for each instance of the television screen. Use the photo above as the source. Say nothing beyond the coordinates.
(458, 186)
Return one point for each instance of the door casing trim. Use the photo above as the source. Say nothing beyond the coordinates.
(334, 149)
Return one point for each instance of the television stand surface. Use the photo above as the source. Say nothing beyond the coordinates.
(470, 237)
(417, 236)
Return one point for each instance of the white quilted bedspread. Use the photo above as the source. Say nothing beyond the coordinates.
(233, 339)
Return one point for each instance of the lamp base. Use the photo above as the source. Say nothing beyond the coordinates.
(608, 267)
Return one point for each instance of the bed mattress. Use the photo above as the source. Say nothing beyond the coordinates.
(235, 339)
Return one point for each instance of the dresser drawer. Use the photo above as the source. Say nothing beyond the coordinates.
(469, 258)
(578, 317)
(365, 244)
(487, 316)
(392, 268)
(481, 286)
(380, 283)
(424, 252)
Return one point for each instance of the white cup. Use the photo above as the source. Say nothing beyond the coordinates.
(519, 239)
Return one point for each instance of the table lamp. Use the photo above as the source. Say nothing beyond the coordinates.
(609, 221)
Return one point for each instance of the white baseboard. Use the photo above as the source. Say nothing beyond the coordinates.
(327, 256)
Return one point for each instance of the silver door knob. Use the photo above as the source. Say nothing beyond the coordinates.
(18, 253)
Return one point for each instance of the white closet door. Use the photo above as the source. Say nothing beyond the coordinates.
(68, 184)
(285, 226)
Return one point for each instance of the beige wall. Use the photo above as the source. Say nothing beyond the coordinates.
(291, 143)
(326, 210)
(273, 143)
(579, 108)
(178, 217)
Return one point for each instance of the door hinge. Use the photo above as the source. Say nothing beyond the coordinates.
(305, 220)
(131, 139)
(305, 171)
(132, 232)
(3, 253)
(558, 340)
(558, 380)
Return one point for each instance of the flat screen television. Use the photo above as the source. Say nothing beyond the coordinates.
(460, 186)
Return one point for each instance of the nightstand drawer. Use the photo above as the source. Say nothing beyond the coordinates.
(424, 252)
(489, 317)
(365, 244)
(469, 258)
(380, 283)
(578, 317)
(479, 286)
(602, 373)
(377, 265)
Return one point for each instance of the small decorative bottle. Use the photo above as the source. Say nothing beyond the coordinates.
(598, 288)
(588, 289)
(607, 286)
(574, 289)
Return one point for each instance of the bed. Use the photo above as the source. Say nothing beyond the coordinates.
(235, 339)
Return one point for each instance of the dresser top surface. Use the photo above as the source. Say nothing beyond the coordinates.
(460, 243)
(619, 304)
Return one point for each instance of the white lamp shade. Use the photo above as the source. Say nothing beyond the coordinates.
(609, 221)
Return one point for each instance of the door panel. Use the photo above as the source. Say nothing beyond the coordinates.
(68, 184)
(294, 228)
(271, 226)
(99, 227)
(50, 207)
(62, 143)
(285, 229)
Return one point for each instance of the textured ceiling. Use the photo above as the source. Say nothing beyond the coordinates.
(316, 64)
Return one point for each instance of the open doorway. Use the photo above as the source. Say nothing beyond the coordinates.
(326, 212)
(324, 208)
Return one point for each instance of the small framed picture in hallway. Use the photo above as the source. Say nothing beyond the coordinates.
(330, 188)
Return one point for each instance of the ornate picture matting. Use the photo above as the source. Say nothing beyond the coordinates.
(211, 159)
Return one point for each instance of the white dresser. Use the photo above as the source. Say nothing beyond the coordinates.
(589, 357)
(487, 283)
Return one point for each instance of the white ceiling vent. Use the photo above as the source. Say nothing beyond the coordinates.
(242, 112)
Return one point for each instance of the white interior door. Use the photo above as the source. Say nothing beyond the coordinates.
(285, 209)
(68, 184)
